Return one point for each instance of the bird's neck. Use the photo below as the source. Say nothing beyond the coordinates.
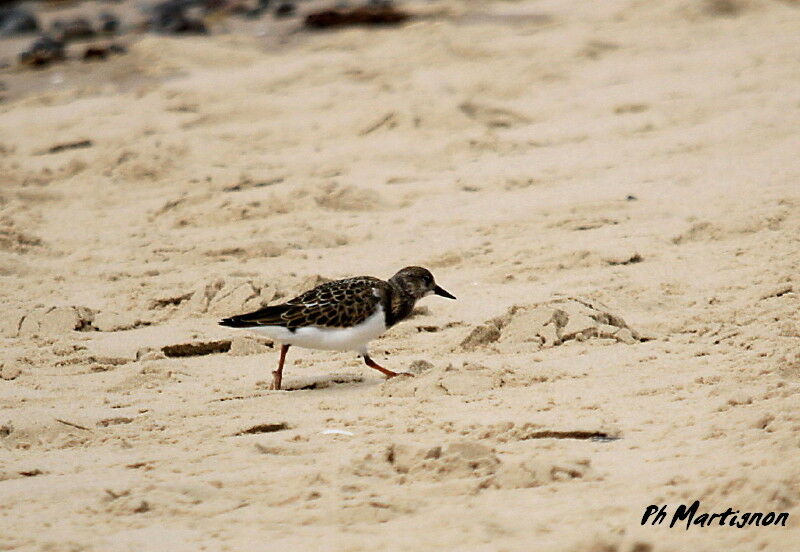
(401, 303)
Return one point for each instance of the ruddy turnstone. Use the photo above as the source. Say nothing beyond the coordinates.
(344, 315)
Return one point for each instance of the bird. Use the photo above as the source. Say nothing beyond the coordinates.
(342, 315)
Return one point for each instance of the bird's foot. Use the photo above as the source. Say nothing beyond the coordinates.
(276, 382)
(401, 374)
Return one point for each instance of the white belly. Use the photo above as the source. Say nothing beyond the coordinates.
(331, 339)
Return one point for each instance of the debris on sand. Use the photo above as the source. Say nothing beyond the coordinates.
(263, 428)
(197, 348)
(58, 148)
(383, 14)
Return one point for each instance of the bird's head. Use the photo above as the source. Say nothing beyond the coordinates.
(418, 282)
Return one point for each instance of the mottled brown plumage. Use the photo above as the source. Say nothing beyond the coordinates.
(338, 304)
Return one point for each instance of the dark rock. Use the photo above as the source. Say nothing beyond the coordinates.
(94, 53)
(109, 23)
(100, 52)
(198, 348)
(44, 51)
(382, 14)
(16, 21)
(77, 28)
(285, 9)
(176, 17)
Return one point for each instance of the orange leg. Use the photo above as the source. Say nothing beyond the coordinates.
(278, 374)
(372, 364)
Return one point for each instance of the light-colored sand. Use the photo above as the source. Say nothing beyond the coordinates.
(641, 158)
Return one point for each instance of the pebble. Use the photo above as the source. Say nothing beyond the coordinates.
(44, 51)
(174, 17)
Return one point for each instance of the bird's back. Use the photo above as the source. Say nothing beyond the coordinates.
(337, 304)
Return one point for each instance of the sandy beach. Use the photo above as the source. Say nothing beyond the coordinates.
(611, 189)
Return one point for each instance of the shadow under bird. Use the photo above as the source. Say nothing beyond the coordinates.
(343, 315)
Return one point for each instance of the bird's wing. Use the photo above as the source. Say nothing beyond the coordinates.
(336, 304)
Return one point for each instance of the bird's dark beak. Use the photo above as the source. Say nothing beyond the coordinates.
(444, 293)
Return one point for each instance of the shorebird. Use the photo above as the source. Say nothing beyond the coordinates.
(343, 315)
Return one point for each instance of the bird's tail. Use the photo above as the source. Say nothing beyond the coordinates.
(236, 322)
(268, 316)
